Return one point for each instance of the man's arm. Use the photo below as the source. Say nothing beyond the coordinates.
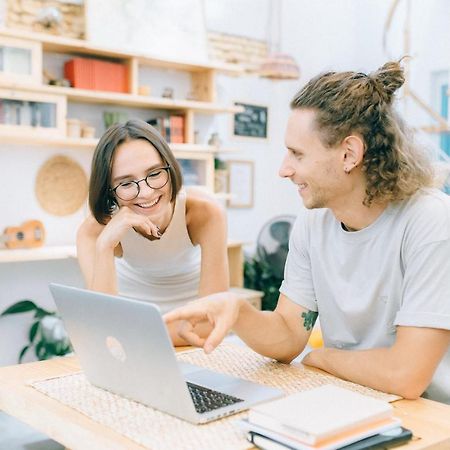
(281, 334)
(405, 369)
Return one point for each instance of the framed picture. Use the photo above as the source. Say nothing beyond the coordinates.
(240, 184)
(252, 122)
(20, 61)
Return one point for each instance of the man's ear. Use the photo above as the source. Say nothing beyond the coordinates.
(353, 152)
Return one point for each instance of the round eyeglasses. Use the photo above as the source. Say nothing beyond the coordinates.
(156, 179)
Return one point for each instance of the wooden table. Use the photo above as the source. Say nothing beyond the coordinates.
(429, 421)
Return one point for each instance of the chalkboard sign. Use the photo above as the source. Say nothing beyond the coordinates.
(252, 122)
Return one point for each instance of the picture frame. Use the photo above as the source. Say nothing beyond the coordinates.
(252, 123)
(240, 183)
(20, 61)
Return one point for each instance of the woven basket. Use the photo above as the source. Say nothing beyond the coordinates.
(61, 186)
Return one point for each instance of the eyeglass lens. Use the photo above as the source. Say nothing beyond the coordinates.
(156, 180)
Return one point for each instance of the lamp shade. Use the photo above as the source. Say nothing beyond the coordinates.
(279, 66)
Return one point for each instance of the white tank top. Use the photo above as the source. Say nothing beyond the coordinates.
(165, 271)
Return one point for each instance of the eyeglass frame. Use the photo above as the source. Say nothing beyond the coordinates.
(137, 183)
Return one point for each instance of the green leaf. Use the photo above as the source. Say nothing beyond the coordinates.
(33, 330)
(39, 350)
(41, 312)
(20, 307)
(22, 353)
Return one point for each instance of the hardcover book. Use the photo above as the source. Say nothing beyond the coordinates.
(318, 414)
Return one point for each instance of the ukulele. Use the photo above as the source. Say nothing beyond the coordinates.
(28, 235)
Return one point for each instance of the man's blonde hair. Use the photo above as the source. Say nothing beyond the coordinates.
(348, 102)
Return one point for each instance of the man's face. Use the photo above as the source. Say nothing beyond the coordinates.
(316, 170)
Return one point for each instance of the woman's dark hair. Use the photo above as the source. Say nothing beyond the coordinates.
(101, 201)
(347, 102)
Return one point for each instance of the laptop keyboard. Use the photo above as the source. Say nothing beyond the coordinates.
(208, 400)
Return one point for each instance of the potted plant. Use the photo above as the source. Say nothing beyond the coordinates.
(46, 333)
(261, 276)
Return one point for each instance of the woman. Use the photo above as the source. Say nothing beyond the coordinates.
(147, 238)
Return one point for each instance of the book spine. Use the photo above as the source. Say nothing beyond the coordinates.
(177, 129)
(166, 128)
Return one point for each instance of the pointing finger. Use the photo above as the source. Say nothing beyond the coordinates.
(190, 313)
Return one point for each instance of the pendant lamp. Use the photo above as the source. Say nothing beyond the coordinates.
(277, 65)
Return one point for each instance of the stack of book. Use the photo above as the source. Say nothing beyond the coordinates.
(324, 418)
(171, 128)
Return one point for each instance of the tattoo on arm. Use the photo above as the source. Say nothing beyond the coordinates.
(309, 319)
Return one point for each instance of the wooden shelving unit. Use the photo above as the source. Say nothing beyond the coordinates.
(59, 44)
(90, 143)
(50, 253)
(31, 87)
(46, 253)
(131, 100)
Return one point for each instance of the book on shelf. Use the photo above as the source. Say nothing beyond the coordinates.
(176, 129)
(171, 128)
(319, 414)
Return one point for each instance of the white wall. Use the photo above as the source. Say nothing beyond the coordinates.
(311, 33)
(321, 34)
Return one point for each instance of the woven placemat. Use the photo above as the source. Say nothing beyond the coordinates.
(159, 431)
(61, 186)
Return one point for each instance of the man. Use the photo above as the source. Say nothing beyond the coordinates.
(370, 253)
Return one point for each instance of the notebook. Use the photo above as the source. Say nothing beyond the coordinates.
(318, 414)
(340, 440)
(387, 439)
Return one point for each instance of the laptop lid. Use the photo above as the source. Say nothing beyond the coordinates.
(124, 347)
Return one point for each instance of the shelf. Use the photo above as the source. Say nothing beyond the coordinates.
(91, 96)
(223, 195)
(60, 44)
(90, 143)
(27, 139)
(38, 254)
(202, 148)
(435, 129)
(49, 253)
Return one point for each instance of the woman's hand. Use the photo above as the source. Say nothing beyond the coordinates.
(220, 310)
(120, 223)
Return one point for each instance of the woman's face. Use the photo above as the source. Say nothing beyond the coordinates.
(133, 161)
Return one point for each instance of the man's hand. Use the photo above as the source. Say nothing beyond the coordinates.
(406, 368)
(220, 310)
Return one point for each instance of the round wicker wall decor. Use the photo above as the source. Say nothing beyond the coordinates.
(61, 186)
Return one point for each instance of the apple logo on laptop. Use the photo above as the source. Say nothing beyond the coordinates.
(116, 349)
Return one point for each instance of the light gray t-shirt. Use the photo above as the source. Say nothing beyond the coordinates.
(363, 283)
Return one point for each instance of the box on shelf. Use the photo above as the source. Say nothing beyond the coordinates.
(84, 73)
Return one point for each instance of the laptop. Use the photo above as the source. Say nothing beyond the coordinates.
(123, 346)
